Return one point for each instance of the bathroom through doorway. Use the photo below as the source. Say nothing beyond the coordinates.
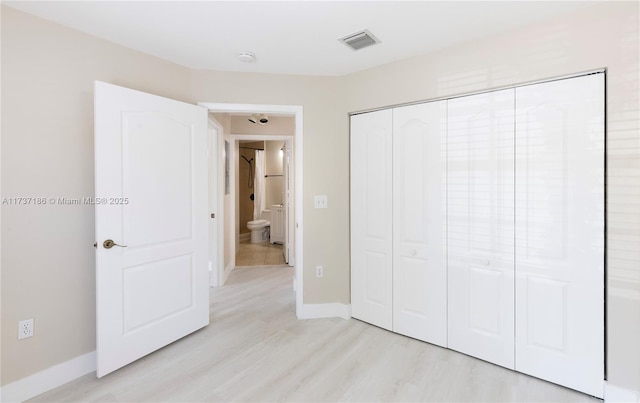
(261, 199)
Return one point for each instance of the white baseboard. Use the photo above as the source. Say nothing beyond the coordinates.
(332, 310)
(614, 393)
(48, 379)
(228, 270)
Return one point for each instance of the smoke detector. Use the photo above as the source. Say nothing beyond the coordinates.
(359, 40)
(246, 57)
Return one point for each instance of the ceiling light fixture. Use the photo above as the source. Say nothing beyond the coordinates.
(259, 118)
(246, 57)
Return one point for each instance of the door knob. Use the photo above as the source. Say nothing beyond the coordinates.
(108, 244)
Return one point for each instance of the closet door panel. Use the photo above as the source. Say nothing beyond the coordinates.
(371, 228)
(419, 266)
(480, 226)
(560, 232)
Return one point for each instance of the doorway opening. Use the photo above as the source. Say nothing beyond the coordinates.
(262, 187)
(227, 160)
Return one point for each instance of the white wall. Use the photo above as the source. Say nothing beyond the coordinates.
(604, 35)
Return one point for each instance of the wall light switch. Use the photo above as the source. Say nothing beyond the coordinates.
(320, 201)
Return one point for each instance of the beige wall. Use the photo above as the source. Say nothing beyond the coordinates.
(48, 269)
(225, 121)
(325, 154)
(605, 35)
(278, 125)
(52, 154)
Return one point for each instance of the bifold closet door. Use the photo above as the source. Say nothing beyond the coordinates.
(419, 253)
(480, 233)
(560, 232)
(371, 227)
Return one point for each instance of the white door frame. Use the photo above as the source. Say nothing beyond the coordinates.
(289, 168)
(295, 110)
(216, 201)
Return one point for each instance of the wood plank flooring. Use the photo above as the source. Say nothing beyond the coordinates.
(256, 350)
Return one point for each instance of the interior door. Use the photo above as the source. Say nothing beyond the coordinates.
(213, 181)
(151, 227)
(419, 224)
(560, 232)
(288, 214)
(480, 232)
(371, 226)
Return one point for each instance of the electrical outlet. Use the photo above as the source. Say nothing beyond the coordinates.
(25, 329)
(319, 271)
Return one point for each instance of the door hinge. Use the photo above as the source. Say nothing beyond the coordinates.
(213, 215)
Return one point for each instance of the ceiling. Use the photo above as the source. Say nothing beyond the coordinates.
(292, 37)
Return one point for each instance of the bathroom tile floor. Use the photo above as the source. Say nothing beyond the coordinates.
(259, 254)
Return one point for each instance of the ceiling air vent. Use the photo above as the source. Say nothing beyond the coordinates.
(359, 40)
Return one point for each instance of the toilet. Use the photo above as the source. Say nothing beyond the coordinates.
(260, 227)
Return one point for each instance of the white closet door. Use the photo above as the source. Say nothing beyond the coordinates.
(419, 253)
(480, 233)
(371, 228)
(560, 232)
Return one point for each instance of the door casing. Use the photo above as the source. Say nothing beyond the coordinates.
(295, 224)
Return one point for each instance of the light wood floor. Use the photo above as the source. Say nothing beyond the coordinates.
(256, 350)
(259, 254)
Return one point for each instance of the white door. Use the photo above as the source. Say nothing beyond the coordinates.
(151, 167)
(480, 226)
(560, 232)
(371, 228)
(288, 213)
(419, 224)
(213, 181)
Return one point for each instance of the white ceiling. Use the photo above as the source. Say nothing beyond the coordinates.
(292, 37)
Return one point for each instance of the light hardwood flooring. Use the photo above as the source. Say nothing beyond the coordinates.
(256, 350)
(259, 254)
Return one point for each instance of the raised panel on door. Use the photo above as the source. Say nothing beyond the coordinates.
(371, 229)
(560, 232)
(480, 231)
(419, 264)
